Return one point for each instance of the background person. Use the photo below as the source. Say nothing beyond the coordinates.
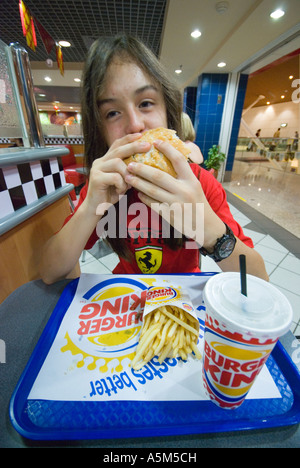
(277, 133)
(189, 136)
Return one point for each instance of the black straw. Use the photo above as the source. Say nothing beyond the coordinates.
(243, 275)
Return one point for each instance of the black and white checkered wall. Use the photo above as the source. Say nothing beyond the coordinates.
(64, 141)
(23, 184)
(59, 140)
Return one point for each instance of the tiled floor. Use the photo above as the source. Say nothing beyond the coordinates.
(280, 251)
(272, 190)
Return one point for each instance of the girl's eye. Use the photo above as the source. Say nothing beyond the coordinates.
(111, 114)
(146, 104)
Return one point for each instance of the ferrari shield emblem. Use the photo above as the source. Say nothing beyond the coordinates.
(148, 258)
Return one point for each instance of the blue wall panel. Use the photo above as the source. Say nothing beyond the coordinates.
(211, 92)
(189, 102)
(236, 121)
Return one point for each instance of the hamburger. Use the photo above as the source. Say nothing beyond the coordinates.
(154, 157)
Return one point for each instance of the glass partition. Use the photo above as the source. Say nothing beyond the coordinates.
(282, 152)
(19, 111)
(10, 126)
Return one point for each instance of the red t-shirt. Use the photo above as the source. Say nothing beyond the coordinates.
(150, 253)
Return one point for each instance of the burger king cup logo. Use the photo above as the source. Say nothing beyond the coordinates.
(231, 363)
(104, 334)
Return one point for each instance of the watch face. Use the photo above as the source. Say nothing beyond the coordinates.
(223, 248)
(226, 248)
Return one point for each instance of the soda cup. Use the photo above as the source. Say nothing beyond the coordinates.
(240, 333)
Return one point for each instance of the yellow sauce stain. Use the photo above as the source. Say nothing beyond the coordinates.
(75, 350)
(115, 338)
(148, 280)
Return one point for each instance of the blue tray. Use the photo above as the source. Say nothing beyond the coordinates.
(66, 420)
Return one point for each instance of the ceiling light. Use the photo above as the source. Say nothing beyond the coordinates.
(277, 14)
(64, 43)
(221, 64)
(282, 96)
(77, 80)
(291, 77)
(195, 34)
(268, 103)
(47, 78)
(179, 70)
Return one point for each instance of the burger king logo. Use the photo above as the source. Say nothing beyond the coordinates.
(105, 331)
(155, 294)
(187, 307)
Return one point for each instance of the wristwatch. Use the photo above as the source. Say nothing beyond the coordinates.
(223, 247)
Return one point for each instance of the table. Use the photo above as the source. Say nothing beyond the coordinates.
(23, 316)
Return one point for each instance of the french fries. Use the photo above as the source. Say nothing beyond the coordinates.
(168, 331)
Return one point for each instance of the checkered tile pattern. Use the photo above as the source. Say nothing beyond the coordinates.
(25, 183)
(64, 141)
(53, 140)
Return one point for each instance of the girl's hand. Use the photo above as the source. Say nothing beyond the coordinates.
(180, 201)
(107, 175)
(195, 156)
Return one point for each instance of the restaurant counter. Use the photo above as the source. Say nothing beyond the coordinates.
(23, 316)
(34, 202)
(30, 180)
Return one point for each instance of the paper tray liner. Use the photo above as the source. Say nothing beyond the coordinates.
(47, 420)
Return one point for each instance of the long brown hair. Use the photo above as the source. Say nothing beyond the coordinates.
(99, 57)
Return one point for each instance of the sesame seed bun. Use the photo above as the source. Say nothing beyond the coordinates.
(154, 157)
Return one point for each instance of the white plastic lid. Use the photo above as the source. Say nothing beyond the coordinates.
(265, 310)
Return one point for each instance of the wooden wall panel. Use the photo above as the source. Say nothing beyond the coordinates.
(20, 247)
